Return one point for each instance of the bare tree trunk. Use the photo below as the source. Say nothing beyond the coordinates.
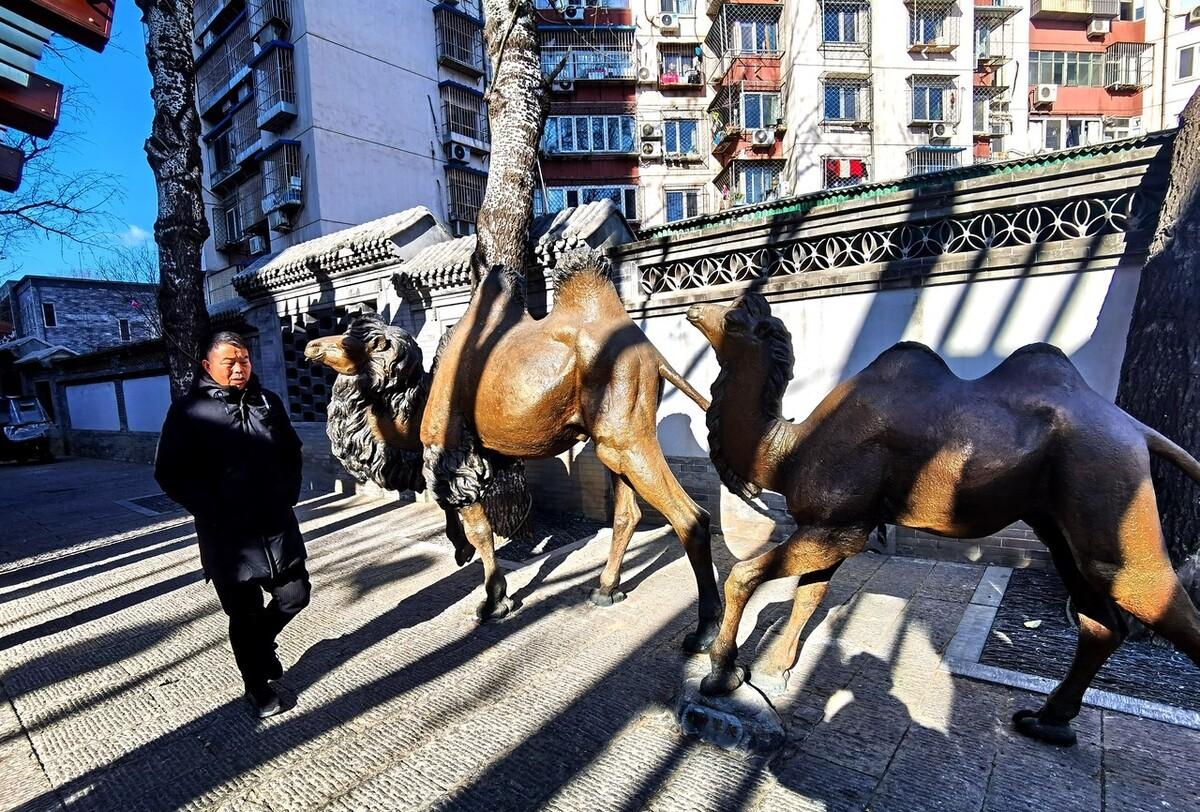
(1160, 376)
(517, 106)
(173, 151)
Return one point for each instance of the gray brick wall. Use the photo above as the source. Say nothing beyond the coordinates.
(86, 313)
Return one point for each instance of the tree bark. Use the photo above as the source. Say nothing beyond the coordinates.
(1160, 375)
(173, 152)
(517, 106)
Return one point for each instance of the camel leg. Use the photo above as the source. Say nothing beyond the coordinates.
(479, 531)
(812, 554)
(463, 551)
(646, 470)
(1101, 631)
(626, 515)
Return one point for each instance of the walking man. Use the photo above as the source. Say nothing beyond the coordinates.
(229, 455)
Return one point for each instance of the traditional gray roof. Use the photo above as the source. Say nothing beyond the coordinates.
(599, 224)
(43, 356)
(389, 239)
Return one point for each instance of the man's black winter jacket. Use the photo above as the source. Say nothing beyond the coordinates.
(232, 459)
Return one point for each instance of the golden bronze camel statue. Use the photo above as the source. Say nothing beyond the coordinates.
(531, 389)
(907, 442)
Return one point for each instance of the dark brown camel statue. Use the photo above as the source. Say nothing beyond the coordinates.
(531, 389)
(907, 442)
(374, 420)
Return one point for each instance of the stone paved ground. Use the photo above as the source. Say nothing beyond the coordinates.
(120, 692)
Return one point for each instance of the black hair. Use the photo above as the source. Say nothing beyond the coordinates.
(226, 337)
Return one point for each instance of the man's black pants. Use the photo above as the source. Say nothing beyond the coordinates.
(253, 627)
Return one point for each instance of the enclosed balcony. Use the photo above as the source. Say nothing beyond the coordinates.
(464, 197)
(223, 65)
(282, 184)
(588, 55)
(1073, 9)
(845, 26)
(208, 15)
(464, 115)
(459, 40)
(246, 137)
(270, 19)
(275, 87)
(933, 26)
(249, 196)
(746, 33)
(227, 223)
(680, 66)
(1129, 66)
(994, 34)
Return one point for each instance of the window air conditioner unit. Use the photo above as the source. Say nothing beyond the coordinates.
(762, 137)
(646, 75)
(258, 245)
(563, 86)
(651, 149)
(940, 131)
(573, 13)
(279, 220)
(1098, 27)
(1193, 16)
(666, 22)
(651, 132)
(1045, 94)
(457, 152)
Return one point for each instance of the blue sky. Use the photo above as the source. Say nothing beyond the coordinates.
(116, 87)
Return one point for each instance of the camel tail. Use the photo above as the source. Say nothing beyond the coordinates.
(1170, 451)
(668, 374)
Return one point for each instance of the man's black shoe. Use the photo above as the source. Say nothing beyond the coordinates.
(264, 700)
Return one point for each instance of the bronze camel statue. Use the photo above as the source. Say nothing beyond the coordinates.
(374, 420)
(531, 389)
(907, 442)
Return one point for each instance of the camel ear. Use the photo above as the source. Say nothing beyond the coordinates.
(756, 305)
(378, 343)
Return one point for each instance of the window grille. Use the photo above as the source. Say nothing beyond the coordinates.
(591, 54)
(227, 222)
(994, 33)
(932, 26)
(566, 197)
(741, 29)
(275, 87)
(205, 10)
(459, 40)
(249, 203)
(743, 183)
(244, 132)
(933, 159)
(564, 135)
(748, 105)
(990, 113)
(1071, 68)
(471, 7)
(464, 194)
(842, 172)
(463, 112)
(933, 99)
(222, 157)
(681, 204)
(846, 24)
(282, 184)
(1128, 65)
(681, 137)
(680, 65)
(266, 12)
(223, 64)
(845, 99)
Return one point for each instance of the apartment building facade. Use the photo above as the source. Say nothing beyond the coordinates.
(1173, 28)
(317, 116)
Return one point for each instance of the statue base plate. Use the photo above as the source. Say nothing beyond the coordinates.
(741, 721)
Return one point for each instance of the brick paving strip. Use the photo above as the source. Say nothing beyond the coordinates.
(119, 691)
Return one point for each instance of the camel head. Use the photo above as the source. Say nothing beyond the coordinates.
(743, 326)
(371, 347)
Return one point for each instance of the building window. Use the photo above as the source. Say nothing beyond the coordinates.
(759, 183)
(933, 159)
(463, 111)
(844, 23)
(1122, 127)
(934, 98)
(843, 172)
(760, 110)
(930, 26)
(845, 100)
(1071, 68)
(756, 36)
(680, 64)
(123, 328)
(597, 53)
(49, 318)
(1132, 10)
(570, 134)
(1187, 62)
(683, 203)
(1066, 133)
(679, 137)
(464, 193)
(566, 197)
(677, 6)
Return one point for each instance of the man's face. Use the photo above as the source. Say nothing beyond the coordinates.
(228, 366)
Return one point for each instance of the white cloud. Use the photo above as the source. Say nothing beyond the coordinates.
(134, 236)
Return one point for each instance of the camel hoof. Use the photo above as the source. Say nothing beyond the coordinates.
(701, 640)
(601, 598)
(772, 683)
(487, 611)
(463, 555)
(1028, 723)
(724, 681)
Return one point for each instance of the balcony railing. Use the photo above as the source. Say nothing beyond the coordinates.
(459, 40)
(275, 15)
(275, 87)
(1129, 66)
(1066, 9)
(249, 204)
(596, 54)
(204, 12)
(745, 29)
(932, 158)
(245, 133)
(282, 184)
(464, 113)
(224, 65)
(464, 195)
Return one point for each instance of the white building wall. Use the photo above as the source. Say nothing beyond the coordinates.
(1172, 35)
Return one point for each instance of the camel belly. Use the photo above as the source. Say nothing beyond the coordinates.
(529, 408)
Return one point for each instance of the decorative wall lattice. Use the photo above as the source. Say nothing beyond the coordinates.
(1032, 225)
(309, 385)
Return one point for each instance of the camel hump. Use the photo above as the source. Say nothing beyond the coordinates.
(907, 357)
(1040, 362)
